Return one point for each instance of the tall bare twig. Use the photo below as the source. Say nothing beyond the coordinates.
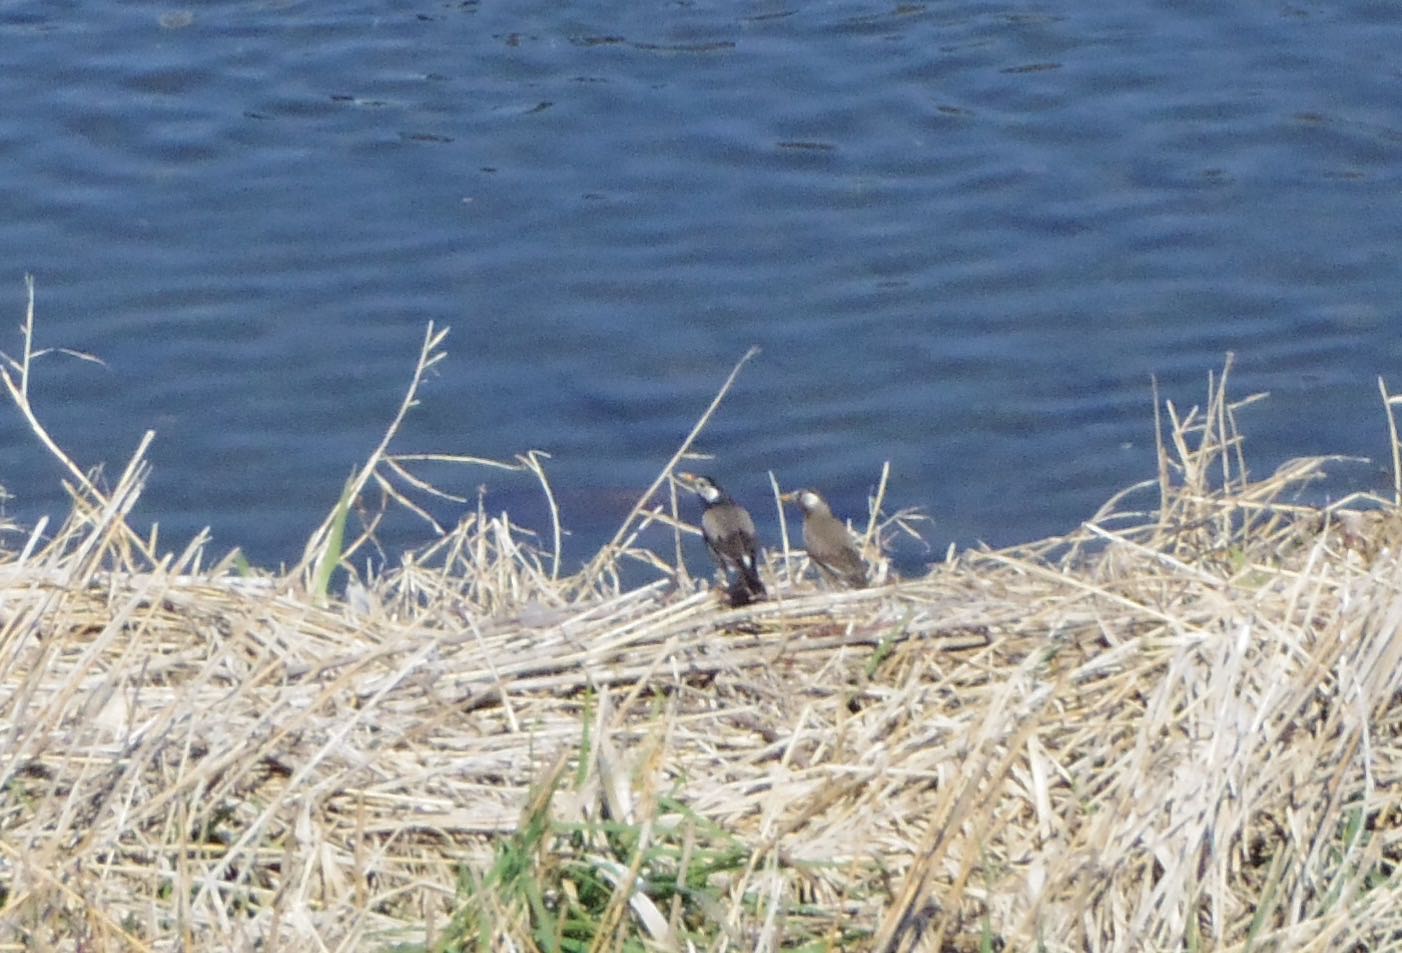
(609, 551)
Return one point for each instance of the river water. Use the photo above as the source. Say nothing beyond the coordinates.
(963, 235)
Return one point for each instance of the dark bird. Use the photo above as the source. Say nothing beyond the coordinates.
(730, 536)
(828, 541)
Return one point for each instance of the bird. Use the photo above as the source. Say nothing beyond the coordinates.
(828, 541)
(730, 536)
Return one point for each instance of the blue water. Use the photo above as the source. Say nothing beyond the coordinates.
(964, 236)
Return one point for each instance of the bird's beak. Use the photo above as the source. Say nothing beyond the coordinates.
(788, 497)
(684, 478)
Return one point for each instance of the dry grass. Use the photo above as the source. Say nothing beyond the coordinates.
(1174, 729)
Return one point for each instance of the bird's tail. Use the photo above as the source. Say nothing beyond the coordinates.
(749, 578)
(744, 589)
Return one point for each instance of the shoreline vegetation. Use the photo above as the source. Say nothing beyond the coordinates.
(1175, 728)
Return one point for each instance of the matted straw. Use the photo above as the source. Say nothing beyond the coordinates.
(1173, 728)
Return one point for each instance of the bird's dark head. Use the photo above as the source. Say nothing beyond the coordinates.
(703, 486)
(810, 501)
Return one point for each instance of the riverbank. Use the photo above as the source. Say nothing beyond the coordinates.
(1174, 728)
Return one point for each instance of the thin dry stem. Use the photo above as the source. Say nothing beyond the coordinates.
(610, 552)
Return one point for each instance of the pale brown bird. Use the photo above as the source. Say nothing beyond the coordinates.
(830, 546)
(730, 536)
